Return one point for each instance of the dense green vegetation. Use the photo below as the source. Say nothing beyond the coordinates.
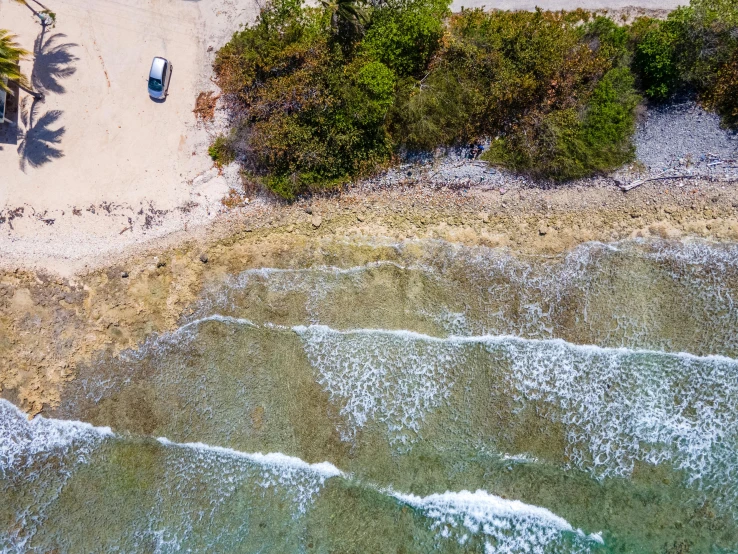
(694, 50)
(321, 95)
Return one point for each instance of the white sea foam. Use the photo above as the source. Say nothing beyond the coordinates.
(289, 475)
(507, 526)
(511, 525)
(395, 378)
(40, 456)
(21, 439)
(619, 405)
(192, 470)
(317, 282)
(534, 296)
(218, 318)
(519, 458)
(272, 459)
(173, 339)
(500, 339)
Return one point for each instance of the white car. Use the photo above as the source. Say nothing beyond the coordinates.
(161, 71)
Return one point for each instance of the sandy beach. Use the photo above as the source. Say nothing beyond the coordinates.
(97, 153)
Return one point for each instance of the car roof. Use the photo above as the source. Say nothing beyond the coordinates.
(157, 68)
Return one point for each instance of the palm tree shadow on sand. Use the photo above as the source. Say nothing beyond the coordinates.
(52, 62)
(38, 142)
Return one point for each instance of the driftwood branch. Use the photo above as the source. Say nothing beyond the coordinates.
(662, 177)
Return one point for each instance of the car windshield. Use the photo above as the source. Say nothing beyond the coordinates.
(155, 84)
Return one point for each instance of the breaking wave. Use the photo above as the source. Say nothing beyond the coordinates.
(620, 406)
(192, 470)
(619, 294)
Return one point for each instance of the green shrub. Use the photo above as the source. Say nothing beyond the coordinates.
(609, 119)
(314, 106)
(444, 110)
(692, 50)
(657, 52)
(710, 63)
(308, 116)
(372, 93)
(221, 152)
(533, 80)
(722, 96)
(405, 34)
(609, 39)
(568, 144)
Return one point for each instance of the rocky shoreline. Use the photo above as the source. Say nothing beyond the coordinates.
(49, 325)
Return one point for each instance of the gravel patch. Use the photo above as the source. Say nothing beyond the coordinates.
(686, 138)
(678, 141)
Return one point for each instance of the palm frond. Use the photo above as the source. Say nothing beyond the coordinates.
(11, 54)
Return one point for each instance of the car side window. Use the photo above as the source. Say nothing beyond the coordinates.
(164, 72)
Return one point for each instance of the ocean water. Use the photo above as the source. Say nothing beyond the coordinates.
(405, 397)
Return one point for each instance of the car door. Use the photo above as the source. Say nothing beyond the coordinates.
(165, 77)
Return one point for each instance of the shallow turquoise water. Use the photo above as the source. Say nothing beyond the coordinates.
(412, 397)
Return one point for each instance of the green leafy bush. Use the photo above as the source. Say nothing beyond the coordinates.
(571, 143)
(709, 63)
(694, 49)
(722, 96)
(220, 151)
(308, 112)
(321, 95)
(535, 82)
(405, 34)
(657, 52)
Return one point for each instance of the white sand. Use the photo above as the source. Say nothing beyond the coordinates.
(121, 152)
(129, 170)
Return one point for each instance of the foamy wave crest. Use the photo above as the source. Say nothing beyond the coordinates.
(619, 405)
(317, 282)
(174, 339)
(95, 386)
(198, 486)
(39, 455)
(22, 441)
(536, 296)
(616, 294)
(395, 378)
(291, 476)
(507, 526)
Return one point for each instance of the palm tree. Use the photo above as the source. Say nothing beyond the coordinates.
(11, 54)
(348, 12)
